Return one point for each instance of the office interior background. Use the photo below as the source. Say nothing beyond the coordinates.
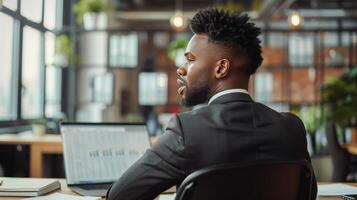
(116, 61)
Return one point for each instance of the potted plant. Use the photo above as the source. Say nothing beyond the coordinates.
(176, 51)
(312, 118)
(63, 51)
(340, 100)
(91, 13)
(39, 126)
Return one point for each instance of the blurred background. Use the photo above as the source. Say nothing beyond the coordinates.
(116, 61)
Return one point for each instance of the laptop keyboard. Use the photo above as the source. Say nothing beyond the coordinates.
(94, 187)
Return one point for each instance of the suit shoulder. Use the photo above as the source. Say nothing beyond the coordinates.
(291, 116)
(265, 114)
(193, 113)
(261, 108)
(293, 120)
(174, 122)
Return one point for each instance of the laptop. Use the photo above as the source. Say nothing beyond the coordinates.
(97, 154)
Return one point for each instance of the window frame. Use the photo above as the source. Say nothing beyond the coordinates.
(12, 71)
(17, 123)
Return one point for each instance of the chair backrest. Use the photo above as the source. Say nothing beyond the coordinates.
(339, 156)
(258, 180)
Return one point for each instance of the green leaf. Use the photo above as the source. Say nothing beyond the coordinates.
(176, 45)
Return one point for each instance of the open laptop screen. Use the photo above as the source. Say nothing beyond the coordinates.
(101, 153)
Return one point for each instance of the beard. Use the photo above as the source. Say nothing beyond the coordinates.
(195, 95)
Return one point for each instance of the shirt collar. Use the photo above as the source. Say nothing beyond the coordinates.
(224, 92)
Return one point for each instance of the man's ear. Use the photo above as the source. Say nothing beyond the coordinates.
(222, 68)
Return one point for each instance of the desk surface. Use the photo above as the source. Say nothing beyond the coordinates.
(28, 138)
(351, 148)
(333, 198)
(64, 189)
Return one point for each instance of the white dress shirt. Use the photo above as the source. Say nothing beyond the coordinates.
(224, 92)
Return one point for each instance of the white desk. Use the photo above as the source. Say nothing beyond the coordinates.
(64, 189)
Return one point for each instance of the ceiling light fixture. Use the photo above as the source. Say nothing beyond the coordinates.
(295, 19)
(178, 21)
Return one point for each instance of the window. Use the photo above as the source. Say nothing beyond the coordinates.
(50, 41)
(11, 4)
(301, 50)
(22, 60)
(346, 39)
(334, 54)
(330, 39)
(103, 88)
(152, 88)
(52, 14)
(53, 79)
(124, 50)
(276, 40)
(53, 92)
(264, 91)
(32, 98)
(6, 41)
(32, 10)
(263, 87)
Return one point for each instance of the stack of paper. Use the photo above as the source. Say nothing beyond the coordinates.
(27, 186)
(167, 197)
(336, 189)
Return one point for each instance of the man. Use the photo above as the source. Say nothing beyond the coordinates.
(222, 54)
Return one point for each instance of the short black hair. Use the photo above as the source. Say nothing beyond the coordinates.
(233, 30)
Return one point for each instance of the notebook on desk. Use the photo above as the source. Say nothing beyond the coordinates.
(10, 186)
(97, 154)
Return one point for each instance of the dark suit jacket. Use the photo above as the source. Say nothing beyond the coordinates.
(233, 128)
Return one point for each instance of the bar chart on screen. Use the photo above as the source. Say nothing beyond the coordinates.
(103, 153)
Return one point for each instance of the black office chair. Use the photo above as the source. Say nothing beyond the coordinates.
(258, 180)
(344, 164)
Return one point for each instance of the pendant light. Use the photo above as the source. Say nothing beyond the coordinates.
(178, 21)
(295, 19)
